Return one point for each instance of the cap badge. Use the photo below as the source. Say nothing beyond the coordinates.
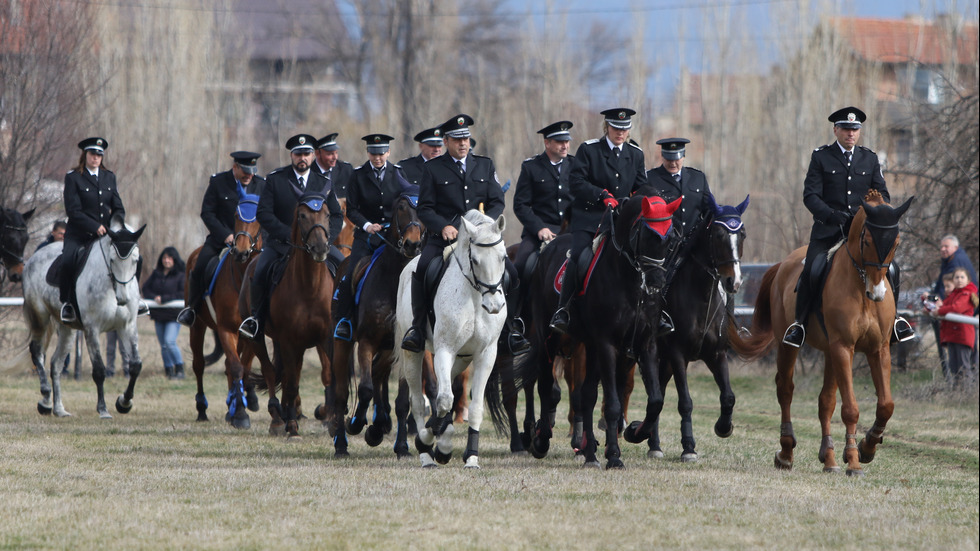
(622, 115)
(377, 139)
(564, 127)
(851, 117)
(436, 132)
(460, 121)
(302, 140)
(98, 143)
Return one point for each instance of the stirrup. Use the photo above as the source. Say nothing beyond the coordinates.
(186, 317)
(795, 335)
(902, 330)
(249, 328)
(68, 314)
(142, 308)
(344, 330)
(560, 321)
(413, 340)
(665, 325)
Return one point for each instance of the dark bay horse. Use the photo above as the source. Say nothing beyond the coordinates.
(617, 318)
(13, 239)
(376, 286)
(299, 314)
(697, 298)
(857, 314)
(221, 314)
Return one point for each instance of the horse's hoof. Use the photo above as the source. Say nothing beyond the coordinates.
(632, 434)
(61, 413)
(689, 457)
(865, 456)
(615, 463)
(443, 458)
(593, 464)
(655, 454)
(722, 431)
(201, 416)
(104, 414)
(539, 447)
(341, 454)
(43, 409)
(277, 429)
(251, 399)
(122, 406)
(374, 436)
(831, 469)
(401, 451)
(472, 463)
(320, 413)
(355, 425)
(779, 463)
(241, 422)
(857, 473)
(427, 462)
(518, 453)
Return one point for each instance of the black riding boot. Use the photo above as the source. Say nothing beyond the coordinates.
(902, 329)
(251, 327)
(796, 332)
(514, 326)
(343, 309)
(414, 340)
(561, 319)
(188, 315)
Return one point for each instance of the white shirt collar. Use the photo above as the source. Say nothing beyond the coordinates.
(612, 146)
(842, 150)
(305, 176)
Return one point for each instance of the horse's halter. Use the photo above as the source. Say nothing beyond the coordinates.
(252, 239)
(646, 266)
(877, 239)
(733, 226)
(8, 256)
(129, 247)
(400, 244)
(481, 286)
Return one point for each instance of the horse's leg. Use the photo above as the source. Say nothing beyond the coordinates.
(365, 387)
(128, 341)
(65, 340)
(826, 405)
(381, 420)
(196, 339)
(840, 360)
(403, 407)
(719, 369)
(540, 435)
(411, 365)
(37, 347)
(880, 363)
(575, 377)
(785, 364)
(462, 398)
(237, 403)
(98, 370)
(508, 389)
(480, 374)
(246, 354)
(685, 407)
(336, 393)
(589, 393)
(277, 426)
(292, 365)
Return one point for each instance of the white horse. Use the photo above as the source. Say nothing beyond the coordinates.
(108, 297)
(470, 311)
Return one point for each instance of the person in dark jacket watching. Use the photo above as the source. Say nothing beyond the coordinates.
(165, 284)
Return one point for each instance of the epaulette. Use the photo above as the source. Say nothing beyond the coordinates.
(634, 144)
(396, 166)
(693, 169)
(592, 141)
(822, 147)
(70, 171)
(358, 167)
(868, 149)
(276, 171)
(479, 156)
(215, 174)
(529, 159)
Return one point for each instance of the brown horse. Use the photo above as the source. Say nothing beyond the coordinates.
(299, 314)
(857, 314)
(221, 315)
(345, 238)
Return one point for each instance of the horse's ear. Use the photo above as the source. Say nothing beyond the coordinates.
(676, 204)
(715, 209)
(27, 215)
(138, 233)
(117, 222)
(466, 225)
(501, 223)
(900, 210)
(743, 205)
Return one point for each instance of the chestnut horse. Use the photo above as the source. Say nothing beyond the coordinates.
(299, 313)
(857, 314)
(221, 315)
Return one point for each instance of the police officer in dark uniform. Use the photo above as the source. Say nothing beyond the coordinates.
(430, 147)
(283, 188)
(91, 199)
(338, 173)
(839, 176)
(453, 184)
(606, 170)
(371, 197)
(225, 190)
(542, 195)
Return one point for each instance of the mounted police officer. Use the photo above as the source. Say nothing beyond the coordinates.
(430, 146)
(673, 180)
(542, 197)
(225, 190)
(605, 171)
(338, 173)
(838, 178)
(284, 186)
(371, 197)
(453, 184)
(91, 200)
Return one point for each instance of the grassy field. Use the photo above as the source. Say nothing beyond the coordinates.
(155, 478)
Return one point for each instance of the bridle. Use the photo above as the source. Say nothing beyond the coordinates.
(644, 265)
(861, 268)
(482, 287)
(108, 262)
(8, 256)
(399, 245)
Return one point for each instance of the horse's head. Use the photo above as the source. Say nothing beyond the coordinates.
(406, 230)
(641, 230)
(310, 221)
(726, 235)
(13, 239)
(123, 257)
(248, 240)
(873, 239)
(481, 247)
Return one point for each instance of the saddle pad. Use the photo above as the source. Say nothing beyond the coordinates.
(213, 269)
(560, 276)
(53, 276)
(362, 270)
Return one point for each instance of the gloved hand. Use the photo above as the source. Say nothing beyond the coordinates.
(609, 200)
(838, 218)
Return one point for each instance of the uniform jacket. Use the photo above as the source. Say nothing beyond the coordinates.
(370, 201)
(831, 185)
(168, 286)
(221, 203)
(412, 168)
(596, 170)
(958, 302)
(90, 203)
(279, 200)
(339, 178)
(542, 195)
(445, 195)
(694, 190)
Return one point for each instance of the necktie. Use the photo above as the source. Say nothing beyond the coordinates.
(460, 165)
(329, 172)
(616, 151)
(377, 174)
(558, 168)
(302, 184)
(848, 155)
(677, 177)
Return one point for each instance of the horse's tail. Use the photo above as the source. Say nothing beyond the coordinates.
(493, 399)
(760, 339)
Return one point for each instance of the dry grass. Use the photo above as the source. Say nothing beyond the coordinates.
(157, 479)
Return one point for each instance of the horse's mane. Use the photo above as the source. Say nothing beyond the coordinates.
(874, 198)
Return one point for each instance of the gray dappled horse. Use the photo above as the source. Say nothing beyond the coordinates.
(108, 296)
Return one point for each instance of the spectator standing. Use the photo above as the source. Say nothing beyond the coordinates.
(958, 338)
(165, 284)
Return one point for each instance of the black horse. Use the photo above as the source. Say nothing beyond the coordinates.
(13, 239)
(697, 298)
(616, 319)
(376, 283)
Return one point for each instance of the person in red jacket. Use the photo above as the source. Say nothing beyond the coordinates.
(958, 338)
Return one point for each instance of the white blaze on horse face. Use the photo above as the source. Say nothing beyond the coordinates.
(875, 292)
(736, 268)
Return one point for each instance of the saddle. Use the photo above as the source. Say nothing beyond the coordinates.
(53, 277)
(586, 265)
(434, 273)
(213, 269)
(278, 267)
